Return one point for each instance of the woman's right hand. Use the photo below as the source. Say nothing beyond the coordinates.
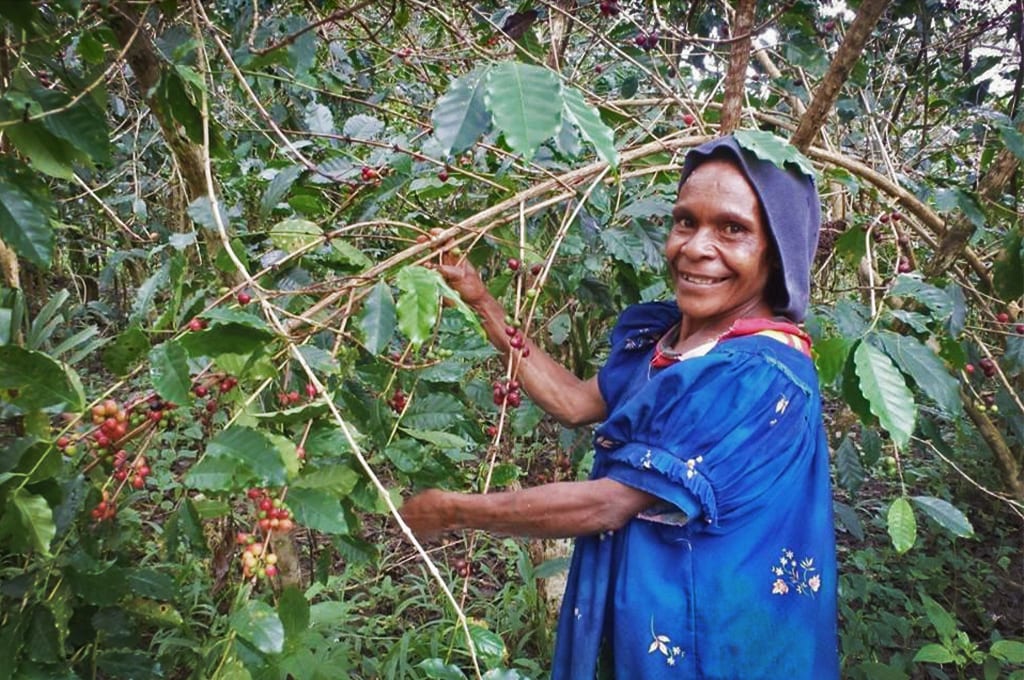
(459, 274)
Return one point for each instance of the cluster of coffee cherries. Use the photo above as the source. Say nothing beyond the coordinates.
(507, 392)
(293, 397)
(561, 469)
(111, 421)
(462, 567)
(222, 384)
(272, 514)
(368, 174)
(609, 8)
(257, 561)
(988, 367)
(398, 400)
(134, 473)
(646, 41)
(517, 340)
(1004, 318)
(106, 509)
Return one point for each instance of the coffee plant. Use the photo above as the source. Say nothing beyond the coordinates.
(226, 354)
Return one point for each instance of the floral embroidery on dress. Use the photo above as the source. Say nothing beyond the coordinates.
(800, 576)
(691, 466)
(644, 338)
(780, 409)
(663, 644)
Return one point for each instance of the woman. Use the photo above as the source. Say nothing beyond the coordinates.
(706, 546)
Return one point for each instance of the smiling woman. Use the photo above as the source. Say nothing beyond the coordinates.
(705, 544)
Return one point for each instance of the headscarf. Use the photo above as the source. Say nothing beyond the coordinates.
(792, 212)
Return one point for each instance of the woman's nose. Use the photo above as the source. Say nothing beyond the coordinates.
(700, 244)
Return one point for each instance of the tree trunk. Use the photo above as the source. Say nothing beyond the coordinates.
(560, 23)
(129, 28)
(739, 59)
(827, 92)
(961, 229)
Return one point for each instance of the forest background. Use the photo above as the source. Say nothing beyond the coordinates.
(224, 358)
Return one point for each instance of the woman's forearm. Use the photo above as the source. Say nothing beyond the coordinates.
(559, 510)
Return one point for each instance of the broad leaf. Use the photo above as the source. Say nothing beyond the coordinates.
(526, 104)
(937, 300)
(946, 514)
(849, 471)
(335, 479)
(35, 381)
(933, 653)
(25, 217)
(768, 147)
(292, 234)
(319, 119)
(361, 126)
(586, 118)
(318, 510)
(944, 623)
(27, 522)
(886, 392)
(489, 646)
(1010, 651)
(419, 302)
(460, 116)
(438, 670)
(925, 367)
(257, 623)
(378, 318)
(169, 371)
(830, 356)
(250, 449)
(279, 187)
(293, 610)
(902, 525)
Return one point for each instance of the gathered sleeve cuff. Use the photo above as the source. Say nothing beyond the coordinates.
(728, 431)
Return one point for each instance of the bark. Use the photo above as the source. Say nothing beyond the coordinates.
(146, 65)
(960, 230)
(827, 92)
(560, 24)
(739, 59)
(1008, 467)
(9, 266)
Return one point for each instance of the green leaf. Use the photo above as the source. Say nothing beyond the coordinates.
(150, 583)
(336, 479)
(768, 147)
(279, 187)
(902, 525)
(489, 646)
(945, 625)
(377, 318)
(169, 372)
(83, 125)
(27, 522)
(933, 653)
(947, 515)
(847, 517)
(936, 299)
(318, 510)
(1013, 140)
(1010, 651)
(886, 392)
(418, 302)
(460, 116)
(586, 118)
(25, 213)
(40, 381)
(435, 411)
(442, 440)
(292, 234)
(257, 623)
(922, 364)
(217, 474)
(362, 126)
(46, 152)
(849, 471)
(293, 610)
(525, 103)
(251, 449)
(438, 670)
(830, 356)
(230, 315)
(1008, 269)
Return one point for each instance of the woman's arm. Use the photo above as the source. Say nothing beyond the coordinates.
(559, 510)
(568, 399)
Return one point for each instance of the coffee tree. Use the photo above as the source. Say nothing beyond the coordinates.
(225, 354)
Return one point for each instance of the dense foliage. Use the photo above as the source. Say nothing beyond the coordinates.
(224, 356)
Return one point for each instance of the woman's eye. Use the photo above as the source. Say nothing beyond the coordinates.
(684, 223)
(734, 228)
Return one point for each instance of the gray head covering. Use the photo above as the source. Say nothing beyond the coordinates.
(793, 214)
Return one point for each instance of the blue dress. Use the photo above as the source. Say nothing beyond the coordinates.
(746, 589)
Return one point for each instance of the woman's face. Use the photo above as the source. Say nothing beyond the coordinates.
(719, 249)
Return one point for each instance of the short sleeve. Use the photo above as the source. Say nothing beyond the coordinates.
(730, 429)
(637, 330)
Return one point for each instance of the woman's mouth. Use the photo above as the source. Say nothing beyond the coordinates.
(700, 280)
